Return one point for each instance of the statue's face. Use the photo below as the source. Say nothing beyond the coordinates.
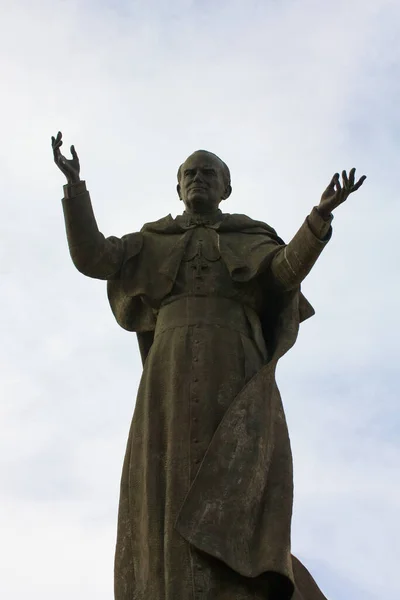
(202, 185)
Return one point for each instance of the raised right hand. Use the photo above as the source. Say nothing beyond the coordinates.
(69, 167)
(337, 193)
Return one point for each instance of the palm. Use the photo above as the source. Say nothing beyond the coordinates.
(70, 167)
(336, 193)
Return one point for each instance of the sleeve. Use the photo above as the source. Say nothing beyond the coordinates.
(293, 262)
(93, 254)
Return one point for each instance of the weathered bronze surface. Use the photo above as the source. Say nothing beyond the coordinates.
(207, 484)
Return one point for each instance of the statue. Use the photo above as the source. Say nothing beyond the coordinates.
(215, 300)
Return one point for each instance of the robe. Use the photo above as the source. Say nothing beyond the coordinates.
(207, 483)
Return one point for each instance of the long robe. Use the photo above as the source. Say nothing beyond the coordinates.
(207, 483)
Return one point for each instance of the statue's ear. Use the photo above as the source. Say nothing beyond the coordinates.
(227, 192)
(178, 189)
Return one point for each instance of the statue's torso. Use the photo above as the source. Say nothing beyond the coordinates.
(203, 273)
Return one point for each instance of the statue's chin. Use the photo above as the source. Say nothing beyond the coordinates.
(200, 204)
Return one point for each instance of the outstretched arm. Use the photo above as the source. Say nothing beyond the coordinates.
(292, 263)
(92, 253)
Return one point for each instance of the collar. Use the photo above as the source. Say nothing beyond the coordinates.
(189, 220)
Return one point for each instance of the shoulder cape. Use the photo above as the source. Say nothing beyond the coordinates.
(153, 257)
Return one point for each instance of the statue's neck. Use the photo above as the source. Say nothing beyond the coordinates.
(199, 217)
(201, 213)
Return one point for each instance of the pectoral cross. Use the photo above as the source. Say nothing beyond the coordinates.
(199, 263)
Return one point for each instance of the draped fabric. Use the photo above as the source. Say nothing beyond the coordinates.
(224, 498)
(207, 483)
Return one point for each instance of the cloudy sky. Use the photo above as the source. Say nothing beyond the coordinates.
(286, 92)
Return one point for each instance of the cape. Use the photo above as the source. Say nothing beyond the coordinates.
(146, 278)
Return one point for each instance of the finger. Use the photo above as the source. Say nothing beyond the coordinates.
(359, 183)
(55, 141)
(59, 136)
(56, 151)
(352, 175)
(336, 179)
(345, 179)
(331, 186)
(73, 152)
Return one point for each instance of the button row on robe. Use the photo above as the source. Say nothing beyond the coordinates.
(194, 394)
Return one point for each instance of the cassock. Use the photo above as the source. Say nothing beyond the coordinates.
(207, 483)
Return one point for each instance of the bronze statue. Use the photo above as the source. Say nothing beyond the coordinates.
(207, 484)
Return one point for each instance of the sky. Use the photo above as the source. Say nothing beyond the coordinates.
(287, 93)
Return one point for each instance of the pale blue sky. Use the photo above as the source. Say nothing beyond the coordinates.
(286, 93)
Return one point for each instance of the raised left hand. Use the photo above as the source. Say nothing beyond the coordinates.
(337, 193)
(70, 167)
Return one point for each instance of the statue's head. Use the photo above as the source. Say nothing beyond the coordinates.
(203, 182)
